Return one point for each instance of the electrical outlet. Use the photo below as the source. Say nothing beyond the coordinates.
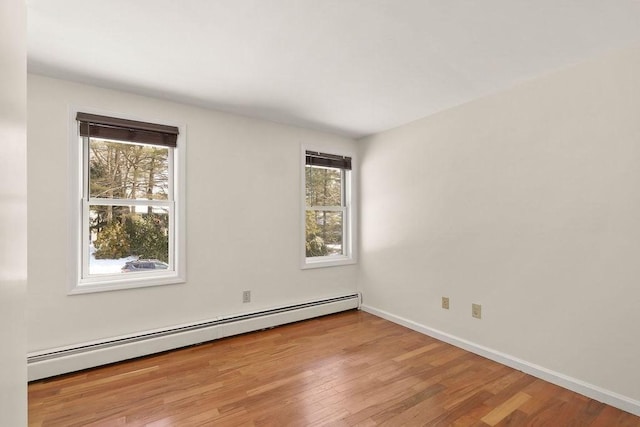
(246, 296)
(445, 303)
(476, 311)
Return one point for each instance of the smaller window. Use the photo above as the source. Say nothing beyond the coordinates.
(328, 228)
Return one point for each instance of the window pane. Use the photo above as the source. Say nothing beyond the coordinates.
(119, 170)
(323, 233)
(120, 235)
(323, 186)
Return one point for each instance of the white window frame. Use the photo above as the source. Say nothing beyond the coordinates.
(349, 209)
(79, 218)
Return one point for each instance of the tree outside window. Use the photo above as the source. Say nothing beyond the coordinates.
(327, 209)
(124, 171)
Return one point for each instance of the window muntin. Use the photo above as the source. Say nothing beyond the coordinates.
(327, 220)
(128, 215)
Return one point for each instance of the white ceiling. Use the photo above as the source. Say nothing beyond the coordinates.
(353, 67)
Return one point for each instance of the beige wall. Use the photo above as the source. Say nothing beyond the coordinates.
(527, 202)
(13, 211)
(243, 220)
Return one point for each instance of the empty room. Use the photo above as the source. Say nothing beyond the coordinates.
(319, 212)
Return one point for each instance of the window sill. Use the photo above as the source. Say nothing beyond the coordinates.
(116, 284)
(320, 262)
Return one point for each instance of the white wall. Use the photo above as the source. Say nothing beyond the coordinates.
(527, 202)
(13, 211)
(243, 189)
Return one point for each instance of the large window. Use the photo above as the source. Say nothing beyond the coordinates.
(328, 229)
(129, 227)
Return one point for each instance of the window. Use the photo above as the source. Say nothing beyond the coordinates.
(130, 219)
(328, 213)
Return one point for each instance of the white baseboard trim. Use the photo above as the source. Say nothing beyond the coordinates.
(586, 389)
(56, 361)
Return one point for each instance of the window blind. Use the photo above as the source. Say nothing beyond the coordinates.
(106, 127)
(314, 158)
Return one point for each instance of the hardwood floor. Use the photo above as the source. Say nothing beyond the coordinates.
(346, 369)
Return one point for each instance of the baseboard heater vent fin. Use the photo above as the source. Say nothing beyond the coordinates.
(56, 361)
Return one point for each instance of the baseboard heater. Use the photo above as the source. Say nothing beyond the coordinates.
(47, 363)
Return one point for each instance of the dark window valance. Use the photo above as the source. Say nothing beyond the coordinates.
(314, 158)
(127, 130)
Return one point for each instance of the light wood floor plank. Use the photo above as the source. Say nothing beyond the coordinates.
(506, 408)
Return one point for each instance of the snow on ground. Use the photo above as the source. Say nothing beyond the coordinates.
(106, 266)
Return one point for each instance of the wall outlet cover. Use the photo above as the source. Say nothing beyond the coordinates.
(476, 311)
